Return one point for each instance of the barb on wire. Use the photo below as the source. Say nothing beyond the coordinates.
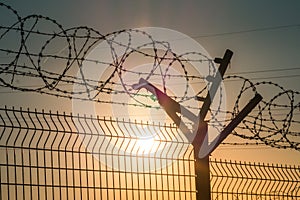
(39, 55)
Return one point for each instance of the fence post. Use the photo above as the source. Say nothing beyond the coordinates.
(202, 178)
(202, 164)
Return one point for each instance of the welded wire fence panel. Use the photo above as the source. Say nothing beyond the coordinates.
(236, 180)
(48, 155)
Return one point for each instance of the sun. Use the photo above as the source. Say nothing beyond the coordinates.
(147, 145)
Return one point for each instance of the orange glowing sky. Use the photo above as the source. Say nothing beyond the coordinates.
(264, 37)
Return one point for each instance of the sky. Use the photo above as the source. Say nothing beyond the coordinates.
(264, 36)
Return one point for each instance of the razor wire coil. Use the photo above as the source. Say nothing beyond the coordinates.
(275, 123)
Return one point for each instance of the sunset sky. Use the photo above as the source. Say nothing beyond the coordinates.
(264, 36)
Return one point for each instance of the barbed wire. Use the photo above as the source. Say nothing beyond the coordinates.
(37, 49)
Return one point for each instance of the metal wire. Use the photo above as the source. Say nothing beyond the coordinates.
(241, 180)
(62, 156)
(44, 157)
(60, 53)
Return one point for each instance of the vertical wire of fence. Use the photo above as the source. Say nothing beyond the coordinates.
(241, 180)
(46, 155)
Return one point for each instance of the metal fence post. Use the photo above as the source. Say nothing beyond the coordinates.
(202, 164)
(203, 178)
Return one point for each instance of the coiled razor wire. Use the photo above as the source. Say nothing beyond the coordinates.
(46, 53)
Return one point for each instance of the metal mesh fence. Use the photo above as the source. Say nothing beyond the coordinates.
(48, 155)
(237, 180)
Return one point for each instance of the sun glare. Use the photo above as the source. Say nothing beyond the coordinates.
(147, 145)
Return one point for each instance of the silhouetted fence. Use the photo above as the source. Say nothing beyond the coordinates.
(237, 180)
(48, 155)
